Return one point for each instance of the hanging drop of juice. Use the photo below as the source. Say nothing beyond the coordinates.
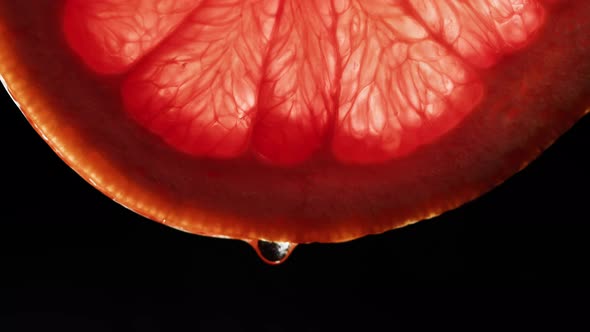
(272, 252)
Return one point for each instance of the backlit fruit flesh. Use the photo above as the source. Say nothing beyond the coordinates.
(296, 121)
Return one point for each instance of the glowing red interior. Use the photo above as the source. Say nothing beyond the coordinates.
(367, 80)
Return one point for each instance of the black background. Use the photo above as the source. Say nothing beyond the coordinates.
(72, 257)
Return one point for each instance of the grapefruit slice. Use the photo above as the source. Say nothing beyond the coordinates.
(296, 121)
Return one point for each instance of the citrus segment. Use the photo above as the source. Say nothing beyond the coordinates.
(298, 91)
(198, 91)
(481, 31)
(110, 35)
(400, 88)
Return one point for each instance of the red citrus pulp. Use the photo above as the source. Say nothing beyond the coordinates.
(296, 121)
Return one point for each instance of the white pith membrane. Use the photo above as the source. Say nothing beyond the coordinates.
(368, 80)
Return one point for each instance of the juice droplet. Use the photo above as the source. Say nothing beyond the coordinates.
(272, 252)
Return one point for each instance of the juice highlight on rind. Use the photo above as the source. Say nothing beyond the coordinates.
(352, 169)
